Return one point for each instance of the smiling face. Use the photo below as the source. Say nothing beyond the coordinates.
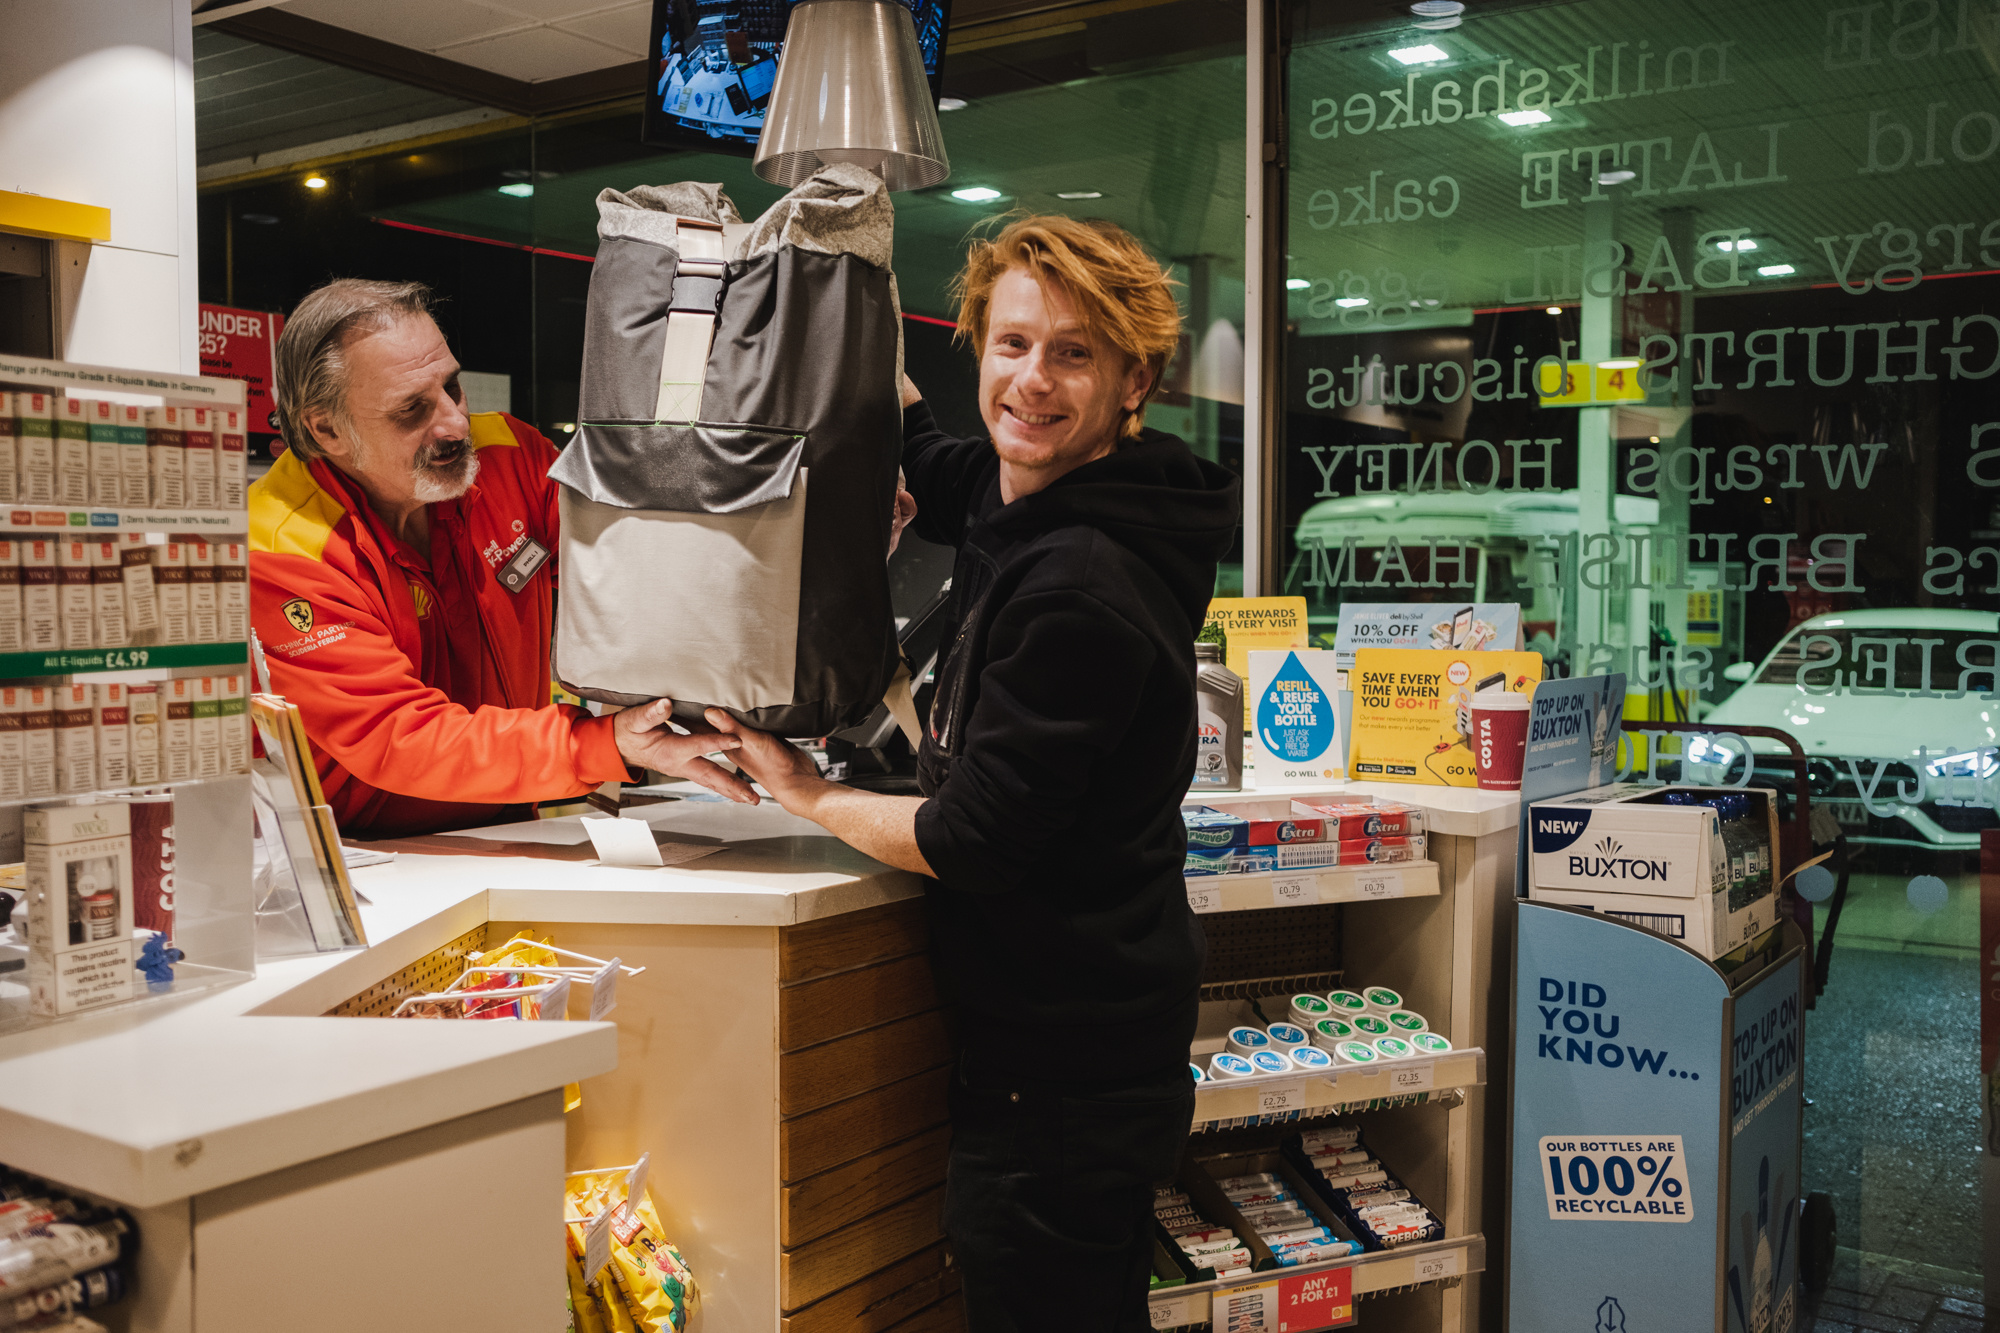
(1052, 395)
(405, 439)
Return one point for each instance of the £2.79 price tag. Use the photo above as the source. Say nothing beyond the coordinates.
(1280, 1097)
(1294, 890)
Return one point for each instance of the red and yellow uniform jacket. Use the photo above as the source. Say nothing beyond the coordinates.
(424, 683)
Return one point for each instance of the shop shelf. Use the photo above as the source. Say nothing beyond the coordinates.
(53, 522)
(1302, 888)
(152, 657)
(1373, 1274)
(1345, 1086)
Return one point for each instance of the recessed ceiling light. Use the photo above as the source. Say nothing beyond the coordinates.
(1079, 194)
(1615, 177)
(1296, 284)
(519, 189)
(951, 104)
(315, 182)
(1520, 118)
(1776, 271)
(1555, 310)
(1350, 302)
(976, 194)
(1418, 55)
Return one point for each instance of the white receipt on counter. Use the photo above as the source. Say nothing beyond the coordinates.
(623, 842)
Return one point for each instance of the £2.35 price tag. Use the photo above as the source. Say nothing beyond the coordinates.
(1380, 884)
(1294, 890)
(1413, 1078)
(1205, 899)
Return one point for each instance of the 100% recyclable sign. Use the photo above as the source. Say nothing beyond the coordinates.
(1640, 1178)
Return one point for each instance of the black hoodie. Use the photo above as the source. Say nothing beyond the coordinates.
(1060, 746)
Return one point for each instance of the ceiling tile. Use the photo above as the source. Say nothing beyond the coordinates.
(627, 27)
(561, 11)
(426, 26)
(537, 54)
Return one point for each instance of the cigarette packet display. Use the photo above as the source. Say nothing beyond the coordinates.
(41, 601)
(232, 589)
(206, 733)
(134, 460)
(1346, 821)
(79, 882)
(38, 739)
(170, 575)
(34, 417)
(72, 452)
(203, 611)
(76, 738)
(13, 631)
(10, 449)
(232, 460)
(166, 458)
(142, 602)
(111, 718)
(13, 743)
(76, 597)
(107, 463)
(198, 439)
(143, 715)
(107, 586)
(1208, 827)
(177, 728)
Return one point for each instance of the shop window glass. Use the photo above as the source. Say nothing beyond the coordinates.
(1679, 323)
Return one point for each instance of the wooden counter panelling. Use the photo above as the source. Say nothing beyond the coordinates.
(862, 1075)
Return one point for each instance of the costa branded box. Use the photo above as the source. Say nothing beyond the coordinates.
(79, 881)
(1632, 852)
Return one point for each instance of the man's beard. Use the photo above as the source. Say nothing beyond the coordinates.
(437, 480)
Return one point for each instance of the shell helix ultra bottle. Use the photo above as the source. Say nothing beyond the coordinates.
(1218, 756)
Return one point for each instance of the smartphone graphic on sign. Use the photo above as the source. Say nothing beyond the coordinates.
(1461, 626)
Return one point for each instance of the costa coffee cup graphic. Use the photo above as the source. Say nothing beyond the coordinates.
(1499, 738)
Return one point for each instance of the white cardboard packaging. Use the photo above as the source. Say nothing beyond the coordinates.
(72, 452)
(203, 612)
(76, 738)
(34, 414)
(107, 588)
(77, 600)
(143, 705)
(232, 590)
(13, 743)
(232, 459)
(207, 730)
(41, 601)
(1296, 737)
(142, 602)
(233, 709)
(112, 720)
(1619, 851)
(10, 449)
(134, 458)
(107, 454)
(166, 457)
(170, 573)
(79, 927)
(38, 739)
(13, 636)
(198, 437)
(177, 728)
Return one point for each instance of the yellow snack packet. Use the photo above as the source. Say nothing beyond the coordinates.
(646, 1270)
(524, 951)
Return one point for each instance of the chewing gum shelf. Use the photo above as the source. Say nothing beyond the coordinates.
(1344, 1085)
(1303, 888)
(1373, 1274)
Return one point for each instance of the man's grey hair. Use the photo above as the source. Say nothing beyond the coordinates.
(309, 369)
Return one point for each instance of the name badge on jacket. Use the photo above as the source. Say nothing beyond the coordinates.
(514, 575)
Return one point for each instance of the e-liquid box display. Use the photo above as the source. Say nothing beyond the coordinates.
(38, 739)
(198, 435)
(177, 728)
(134, 461)
(13, 633)
(170, 571)
(107, 463)
(41, 603)
(143, 714)
(107, 586)
(232, 459)
(78, 602)
(207, 729)
(34, 415)
(142, 603)
(166, 458)
(10, 450)
(112, 718)
(234, 711)
(72, 452)
(13, 744)
(203, 609)
(232, 589)
(79, 926)
(76, 738)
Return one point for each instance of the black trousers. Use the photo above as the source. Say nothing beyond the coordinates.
(1049, 1197)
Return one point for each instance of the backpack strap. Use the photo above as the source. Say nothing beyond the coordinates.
(691, 315)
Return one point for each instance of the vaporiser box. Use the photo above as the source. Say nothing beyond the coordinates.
(79, 881)
(12, 639)
(134, 465)
(106, 460)
(1294, 719)
(198, 439)
(1627, 852)
(72, 452)
(166, 457)
(10, 450)
(1413, 710)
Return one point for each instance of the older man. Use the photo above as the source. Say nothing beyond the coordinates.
(402, 578)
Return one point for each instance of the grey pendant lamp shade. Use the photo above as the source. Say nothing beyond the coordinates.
(851, 88)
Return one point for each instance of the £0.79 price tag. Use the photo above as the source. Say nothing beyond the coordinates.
(1175, 1312)
(1205, 899)
(1413, 1078)
(1380, 884)
(1294, 890)
(1280, 1097)
(1431, 1267)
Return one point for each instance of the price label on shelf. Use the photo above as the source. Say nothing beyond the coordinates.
(1380, 884)
(1413, 1078)
(1294, 890)
(1177, 1311)
(1280, 1097)
(604, 991)
(1431, 1267)
(597, 1245)
(1207, 898)
(118, 659)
